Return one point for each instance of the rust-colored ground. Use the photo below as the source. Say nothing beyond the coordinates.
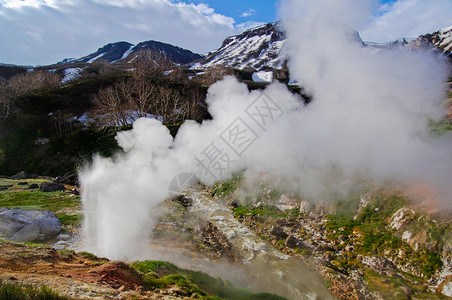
(75, 275)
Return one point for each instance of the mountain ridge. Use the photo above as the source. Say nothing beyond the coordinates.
(257, 48)
(125, 52)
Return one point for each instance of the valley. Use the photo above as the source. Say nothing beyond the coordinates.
(318, 169)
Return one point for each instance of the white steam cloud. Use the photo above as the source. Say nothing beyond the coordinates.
(369, 115)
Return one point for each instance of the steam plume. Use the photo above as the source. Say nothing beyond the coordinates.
(369, 116)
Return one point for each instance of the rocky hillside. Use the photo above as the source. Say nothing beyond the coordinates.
(440, 40)
(259, 48)
(125, 52)
(7, 71)
(256, 48)
(380, 243)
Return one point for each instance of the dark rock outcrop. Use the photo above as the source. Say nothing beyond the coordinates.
(20, 176)
(52, 187)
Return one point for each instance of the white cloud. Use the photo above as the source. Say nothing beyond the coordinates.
(408, 18)
(250, 12)
(46, 31)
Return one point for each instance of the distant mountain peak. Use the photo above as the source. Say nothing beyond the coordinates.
(124, 52)
(257, 48)
(440, 40)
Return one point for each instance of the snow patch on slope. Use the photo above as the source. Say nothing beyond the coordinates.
(126, 54)
(263, 76)
(96, 57)
(256, 48)
(71, 74)
(445, 41)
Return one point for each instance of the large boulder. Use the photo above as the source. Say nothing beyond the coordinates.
(71, 179)
(278, 231)
(28, 225)
(52, 187)
(20, 176)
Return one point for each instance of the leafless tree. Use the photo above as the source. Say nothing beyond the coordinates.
(216, 73)
(22, 84)
(63, 122)
(138, 94)
(151, 63)
(111, 109)
(102, 66)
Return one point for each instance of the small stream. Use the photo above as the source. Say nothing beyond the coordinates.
(274, 271)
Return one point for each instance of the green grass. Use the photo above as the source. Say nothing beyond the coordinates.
(29, 244)
(35, 199)
(226, 188)
(381, 207)
(159, 274)
(372, 224)
(390, 287)
(7, 182)
(72, 220)
(441, 127)
(13, 291)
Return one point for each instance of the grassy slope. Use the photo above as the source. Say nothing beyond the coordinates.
(61, 203)
(15, 291)
(159, 274)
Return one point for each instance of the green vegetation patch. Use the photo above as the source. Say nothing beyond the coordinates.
(440, 127)
(35, 199)
(13, 291)
(226, 188)
(71, 220)
(159, 274)
(381, 207)
(391, 287)
(372, 235)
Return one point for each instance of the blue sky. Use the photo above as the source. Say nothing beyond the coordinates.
(257, 10)
(39, 32)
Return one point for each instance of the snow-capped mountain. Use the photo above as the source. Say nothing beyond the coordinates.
(124, 52)
(256, 48)
(259, 48)
(440, 40)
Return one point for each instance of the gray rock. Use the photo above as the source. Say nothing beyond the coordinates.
(292, 242)
(63, 237)
(33, 186)
(27, 233)
(278, 231)
(71, 179)
(52, 187)
(22, 183)
(20, 176)
(48, 223)
(286, 202)
(3, 188)
(306, 207)
(379, 264)
(13, 221)
(406, 290)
